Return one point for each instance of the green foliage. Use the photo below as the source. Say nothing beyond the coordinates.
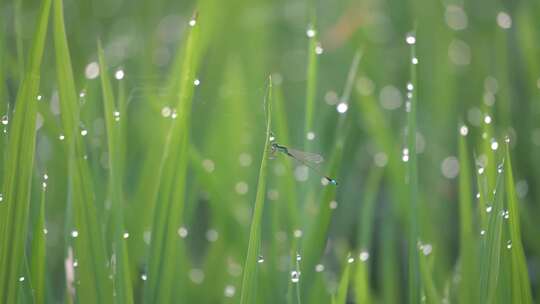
(140, 169)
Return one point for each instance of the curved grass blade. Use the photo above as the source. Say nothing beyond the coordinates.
(89, 247)
(19, 167)
(249, 279)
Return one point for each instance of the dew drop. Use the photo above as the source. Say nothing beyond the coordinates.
(410, 39)
(125, 235)
(119, 74)
(414, 60)
(487, 119)
(482, 232)
(489, 208)
(463, 130)
(39, 97)
(61, 137)
(350, 260)
(182, 232)
(364, 256)
(144, 277)
(410, 86)
(5, 120)
(298, 257)
(318, 49)
(260, 259)
(509, 244)
(166, 111)
(84, 132)
(116, 115)
(342, 107)
(192, 22)
(298, 233)
(21, 279)
(196, 82)
(319, 268)
(333, 204)
(310, 32)
(74, 233)
(310, 135)
(295, 276)
(229, 291)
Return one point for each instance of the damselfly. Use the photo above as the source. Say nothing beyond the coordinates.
(308, 159)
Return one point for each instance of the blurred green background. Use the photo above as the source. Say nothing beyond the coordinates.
(478, 67)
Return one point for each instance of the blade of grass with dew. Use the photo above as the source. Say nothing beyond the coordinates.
(38, 251)
(249, 279)
(343, 287)
(432, 296)
(166, 251)
(19, 167)
(412, 177)
(123, 289)
(467, 249)
(521, 290)
(490, 249)
(89, 247)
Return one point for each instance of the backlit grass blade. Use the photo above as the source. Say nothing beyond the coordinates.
(38, 251)
(165, 250)
(467, 248)
(19, 167)
(89, 249)
(412, 180)
(249, 278)
(122, 279)
(521, 290)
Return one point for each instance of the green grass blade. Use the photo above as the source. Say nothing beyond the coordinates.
(168, 213)
(311, 85)
(343, 288)
(249, 279)
(38, 250)
(467, 249)
(123, 289)
(19, 167)
(89, 247)
(521, 290)
(412, 177)
(432, 296)
(490, 250)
